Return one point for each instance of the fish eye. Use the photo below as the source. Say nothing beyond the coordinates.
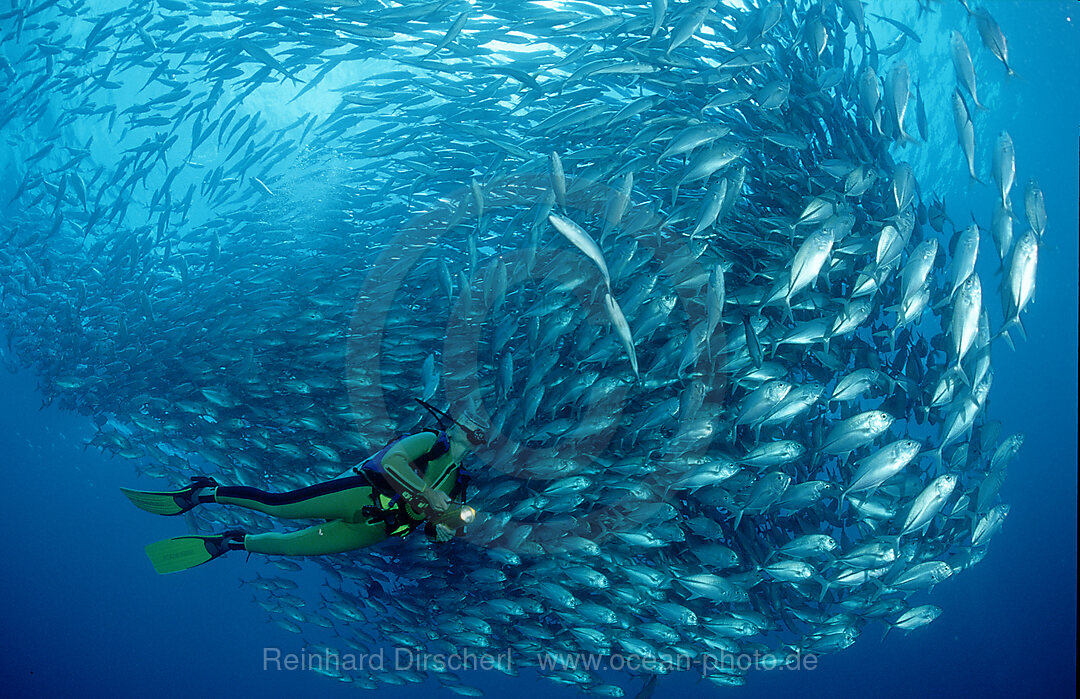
(467, 514)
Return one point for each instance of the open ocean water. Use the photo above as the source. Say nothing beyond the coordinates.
(85, 614)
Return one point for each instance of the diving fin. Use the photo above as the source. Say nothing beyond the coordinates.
(175, 502)
(183, 552)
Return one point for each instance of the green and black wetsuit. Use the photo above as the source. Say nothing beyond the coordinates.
(373, 501)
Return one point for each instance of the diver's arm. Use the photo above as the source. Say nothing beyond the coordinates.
(397, 462)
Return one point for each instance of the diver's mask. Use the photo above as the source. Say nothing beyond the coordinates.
(476, 437)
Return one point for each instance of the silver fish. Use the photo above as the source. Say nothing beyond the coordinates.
(965, 71)
(582, 241)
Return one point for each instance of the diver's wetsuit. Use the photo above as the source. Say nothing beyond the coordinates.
(406, 466)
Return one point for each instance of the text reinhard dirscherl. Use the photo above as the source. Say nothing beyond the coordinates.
(408, 659)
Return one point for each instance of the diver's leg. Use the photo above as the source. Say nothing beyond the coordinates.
(333, 537)
(341, 498)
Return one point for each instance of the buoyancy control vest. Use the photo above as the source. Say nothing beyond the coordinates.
(402, 512)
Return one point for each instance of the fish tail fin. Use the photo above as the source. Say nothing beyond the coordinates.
(892, 384)
(1004, 332)
(1020, 327)
(963, 374)
(888, 628)
(824, 587)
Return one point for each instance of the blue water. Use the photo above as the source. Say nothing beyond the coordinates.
(85, 615)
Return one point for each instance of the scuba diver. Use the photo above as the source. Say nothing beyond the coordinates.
(413, 479)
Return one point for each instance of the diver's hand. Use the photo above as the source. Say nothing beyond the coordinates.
(443, 533)
(438, 500)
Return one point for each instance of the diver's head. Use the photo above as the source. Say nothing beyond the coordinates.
(465, 431)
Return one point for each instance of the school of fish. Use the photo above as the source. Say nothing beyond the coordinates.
(733, 360)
